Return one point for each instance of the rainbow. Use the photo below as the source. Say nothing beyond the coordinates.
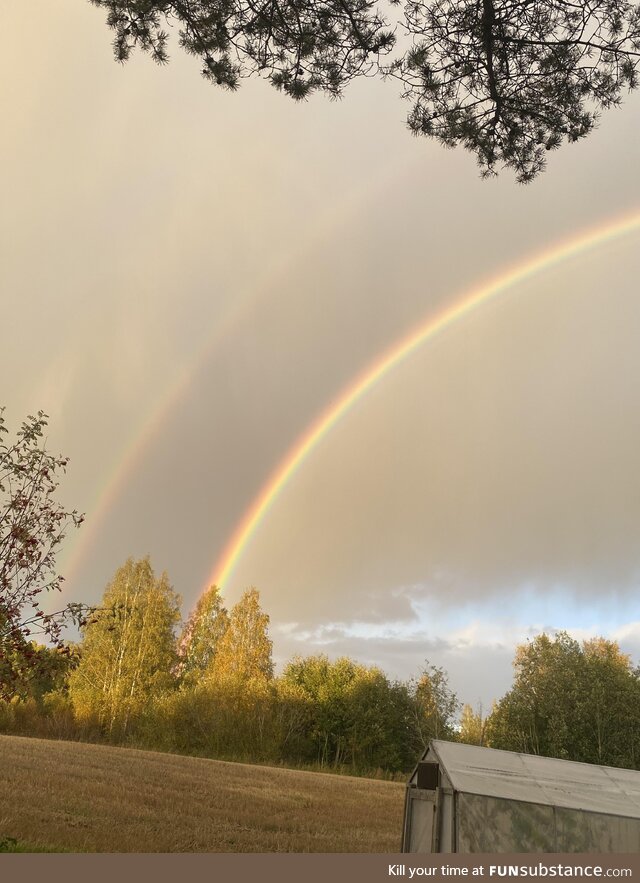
(132, 454)
(391, 359)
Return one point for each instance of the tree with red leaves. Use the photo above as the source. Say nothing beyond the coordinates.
(32, 527)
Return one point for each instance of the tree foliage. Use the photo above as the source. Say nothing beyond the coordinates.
(507, 79)
(202, 634)
(472, 726)
(128, 651)
(300, 47)
(214, 693)
(356, 715)
(244, 651)
(327, 686)
(512, 79)
(579, 702)
(435, 705)
(33, 524)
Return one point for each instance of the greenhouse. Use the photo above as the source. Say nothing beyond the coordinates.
(466, 799)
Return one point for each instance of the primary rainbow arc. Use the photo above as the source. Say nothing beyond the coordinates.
(393, 357)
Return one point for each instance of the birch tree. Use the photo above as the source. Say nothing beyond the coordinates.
(244, 651)
(128, 650)
(202, 634)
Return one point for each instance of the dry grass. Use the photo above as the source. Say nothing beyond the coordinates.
(96, 798)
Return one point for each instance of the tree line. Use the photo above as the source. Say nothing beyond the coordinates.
(208, 687)
(140, 677)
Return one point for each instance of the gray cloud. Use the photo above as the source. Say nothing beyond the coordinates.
(478, 674)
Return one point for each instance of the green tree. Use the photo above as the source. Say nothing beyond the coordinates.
(292, 720)
(435, 705)
(32, 527)
(202, 634)
(380, 731)
(325, 685)
(128, 650)
(611, 705)
(52, 670)
(244, 651)
(579, 702)
(507, 79)
(356, 716)
(534, 716)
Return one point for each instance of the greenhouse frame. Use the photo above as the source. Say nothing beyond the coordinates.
(467, 799)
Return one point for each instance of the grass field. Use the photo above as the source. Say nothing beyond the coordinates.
(79, 797)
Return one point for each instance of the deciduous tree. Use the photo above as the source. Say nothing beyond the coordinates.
(128, 650)
(435, 705)
(202, 634)
(244, 651)
(33, 524)
(472, 726)
(580, 702)
(357, 717)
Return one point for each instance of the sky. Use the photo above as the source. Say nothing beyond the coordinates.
(189, 278)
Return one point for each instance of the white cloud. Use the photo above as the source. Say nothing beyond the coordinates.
(477, 655)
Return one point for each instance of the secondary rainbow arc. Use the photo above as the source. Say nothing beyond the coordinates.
(389, 360)
(159, 412)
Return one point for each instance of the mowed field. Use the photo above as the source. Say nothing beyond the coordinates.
(78, 797)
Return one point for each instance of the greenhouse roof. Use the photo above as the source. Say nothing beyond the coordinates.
(542, 780)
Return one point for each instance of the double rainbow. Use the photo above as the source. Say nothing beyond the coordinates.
(392, 358)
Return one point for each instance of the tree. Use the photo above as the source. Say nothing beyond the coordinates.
(128, 653)
(579, 702)
(535, 716)
(202, 635)
(327, 686)
(472, 726)
(507, 79)
(355, 714)
(435, 705)
(244, 651)
(512, 79)
(612, 705)
(300, 47)
(32, 527)
(235, 693)
(380, 733)
(50, 672)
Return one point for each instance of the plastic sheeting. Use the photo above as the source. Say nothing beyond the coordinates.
(490, 824)
(540, 780)
(505, 802)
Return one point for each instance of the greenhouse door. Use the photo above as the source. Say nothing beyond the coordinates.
(421, 827)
